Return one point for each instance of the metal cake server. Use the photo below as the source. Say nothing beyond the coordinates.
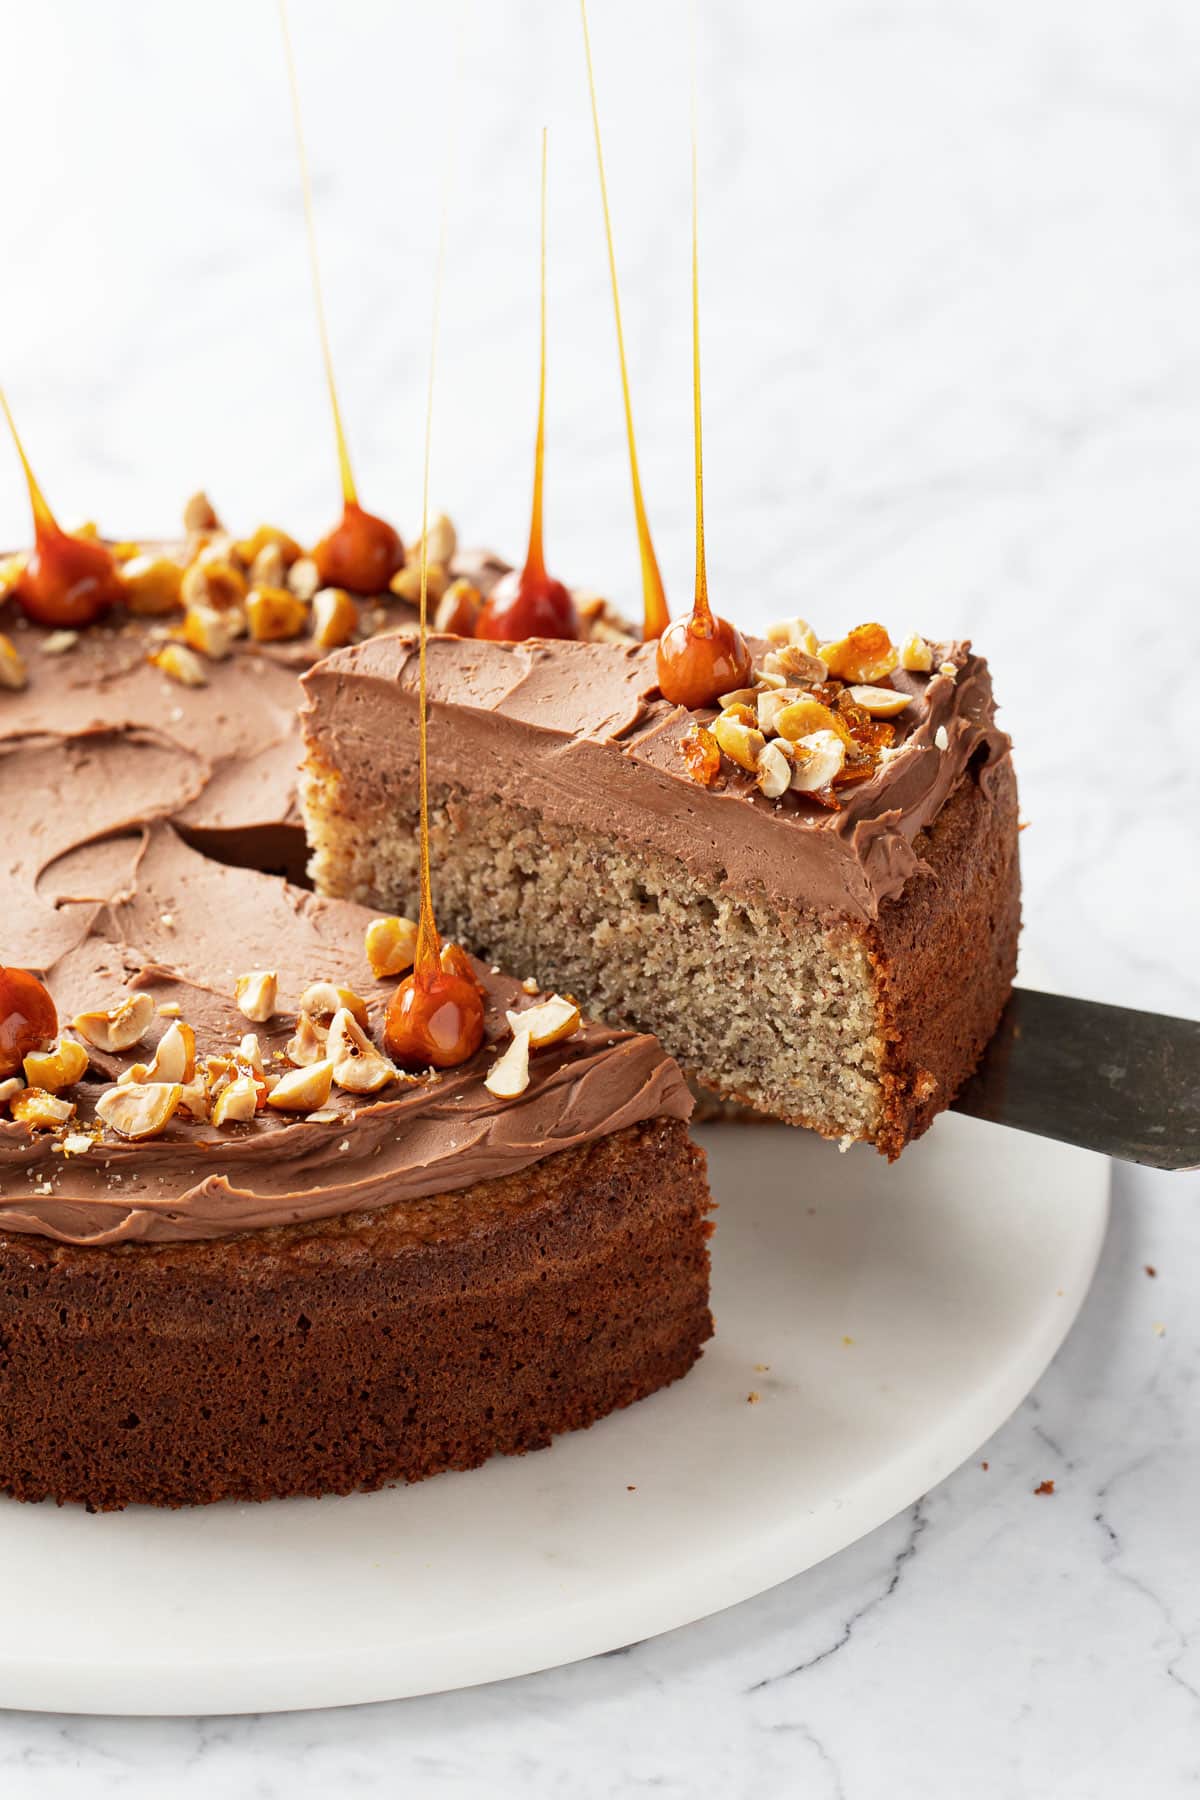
(1106, 1078)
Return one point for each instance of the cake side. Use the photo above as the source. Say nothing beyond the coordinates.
(811, 965)
(838, 1025)
(380, 1346)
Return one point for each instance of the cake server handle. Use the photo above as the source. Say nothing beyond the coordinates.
(1106, 1078)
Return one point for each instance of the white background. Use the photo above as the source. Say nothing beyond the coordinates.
(951, 271)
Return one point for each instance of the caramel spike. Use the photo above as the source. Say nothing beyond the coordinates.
(429, 945)
(349, 492)
(535, 562)
(43, 518)
(655, 615)
(701, 612)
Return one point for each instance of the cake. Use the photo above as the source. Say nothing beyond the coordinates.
(268, 1262)
(837, 957)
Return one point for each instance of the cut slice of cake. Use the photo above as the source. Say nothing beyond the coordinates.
(821, 925)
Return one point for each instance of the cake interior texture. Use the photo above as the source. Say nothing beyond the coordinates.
(367, 1348)
(855, 1028)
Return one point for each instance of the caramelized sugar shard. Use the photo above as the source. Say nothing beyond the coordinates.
(701, 754)
(864, 654)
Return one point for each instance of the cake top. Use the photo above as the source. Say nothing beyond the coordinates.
(281, 1108)
(582, 733)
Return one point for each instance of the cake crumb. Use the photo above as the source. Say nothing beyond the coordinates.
(630, 1487)
(847, 1341)
(753, 1397)
(1044, 1487)
(984, 1466)
(1151, 1271)
(1160, 1330)
(761, 1368)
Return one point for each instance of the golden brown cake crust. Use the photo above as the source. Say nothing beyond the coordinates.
(370, 1348)
(944, 955)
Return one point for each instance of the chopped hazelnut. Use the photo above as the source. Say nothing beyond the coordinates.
(303, 578)
(39, 1110)
(458, 609)
(13, 673)
(180, 664)
(209, 631)
(881, 703)
(391, 946)
(12, 1085)
(323, 999)
(793, 631)
(303, 1090)
(548, 1023)
(307, 1046)
(509, 1074)
(864, 654)
(275, 614)
(915, 654)
(740, 741)
(794, 664)
(152, 585)
(11, 570)
(406, 583)
(139, 1109)
(175, 1057)
(357, 1065)
(819, 757)
(441, 540)
(59, 642)
(62, 1065)
(256, 993)
(267, 567)
(213, 580)
(198, 514)
(334, 618)
(775, 769)
(237, 1103)
(247, 550)
(122, 1026)
(941, 738)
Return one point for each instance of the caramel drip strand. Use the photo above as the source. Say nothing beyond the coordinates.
(43, 518)
(655, 615)
(702, 619)
(349, 492)
(535, 562)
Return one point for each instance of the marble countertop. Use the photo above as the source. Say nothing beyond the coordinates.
(951, 261)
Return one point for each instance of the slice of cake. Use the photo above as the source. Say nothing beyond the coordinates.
(241, 1254)
(815, 909)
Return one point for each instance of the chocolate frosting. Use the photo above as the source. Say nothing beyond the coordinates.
(99, 916)
(580, 733)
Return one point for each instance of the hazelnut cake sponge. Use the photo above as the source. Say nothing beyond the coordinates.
(242, 1254)
(810, 894)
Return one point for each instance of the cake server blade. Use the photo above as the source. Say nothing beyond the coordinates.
(1106, 1078)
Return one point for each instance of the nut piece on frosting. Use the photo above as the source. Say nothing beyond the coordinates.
(152, 585)
(864, 654)
(39, 1110)
(13, 673)
(775, 769)
(275, 614)
(391, 946)
(793, 631)
(441, 541)
(881, 703)
(509, 1074)
(548, 1023)
(406, 583)
(209, 630)
(139, 1109)
(303, 1090)
(819, 757)
(307, 1045)
(199, 514)
(458, 609)
(12, 1086)
(256, 994)
(739, 737)
(304, 578)
(179, 664)
(334, 618)
(323, 999)
(916, 654)
(358, 1066)
(62, 1065)
(175, 1057)
(122, 1026)
(237, 1102)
